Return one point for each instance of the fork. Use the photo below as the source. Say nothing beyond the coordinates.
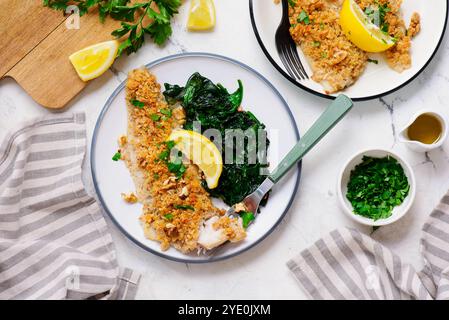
(286, 47)
(328, 119)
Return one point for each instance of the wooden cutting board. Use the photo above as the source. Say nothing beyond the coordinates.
(35, 44)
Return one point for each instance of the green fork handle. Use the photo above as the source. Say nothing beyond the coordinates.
(333, 114)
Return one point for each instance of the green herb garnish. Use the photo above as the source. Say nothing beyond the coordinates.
(116, 156)
(177, 167)
(377, 15)
(291, 3)
(316, 43)
(137, 103)
(157, 26)
(376, 186)
(247, 217)
(155, 117)
(164, 155)
(168, 216)
(369, 11)
(303, 17)
(166, 112)
(170, 144)
(373, 61)
(183, 207)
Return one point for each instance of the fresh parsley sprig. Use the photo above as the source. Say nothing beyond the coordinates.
(159, 28)
(158, 25)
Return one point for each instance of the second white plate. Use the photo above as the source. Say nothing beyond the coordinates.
(377, 80)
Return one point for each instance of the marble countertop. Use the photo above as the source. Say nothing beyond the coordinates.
(261, 273)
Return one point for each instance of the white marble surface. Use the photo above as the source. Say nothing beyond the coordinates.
(261, 272)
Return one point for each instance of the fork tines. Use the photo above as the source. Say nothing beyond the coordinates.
(290, 58)
(286, 47)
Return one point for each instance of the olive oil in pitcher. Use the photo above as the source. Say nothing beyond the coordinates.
(426, 129)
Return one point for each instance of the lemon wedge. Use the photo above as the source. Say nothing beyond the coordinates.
(361, 31)
(93, 61)
(201, 15)
(202, 152)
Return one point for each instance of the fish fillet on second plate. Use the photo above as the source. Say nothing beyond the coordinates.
(335, 61)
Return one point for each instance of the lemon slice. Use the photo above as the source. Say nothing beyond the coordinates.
(361, 31)
(201, 15)
(93, 61)
(202, 152)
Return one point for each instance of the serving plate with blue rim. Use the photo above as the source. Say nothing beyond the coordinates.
(260, 97)
(378, 79)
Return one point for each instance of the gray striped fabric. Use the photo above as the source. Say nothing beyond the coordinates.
(54, 242)
(349, 265)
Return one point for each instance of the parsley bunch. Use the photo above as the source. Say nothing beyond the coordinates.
(376, 186)
(158, 27)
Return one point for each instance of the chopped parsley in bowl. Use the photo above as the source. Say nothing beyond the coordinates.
(376, 187)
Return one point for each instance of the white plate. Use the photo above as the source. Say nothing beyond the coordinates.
(260, 97)
(377, 80)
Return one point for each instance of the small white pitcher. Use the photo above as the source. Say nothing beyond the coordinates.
(417, 145)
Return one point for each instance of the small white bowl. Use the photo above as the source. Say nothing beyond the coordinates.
(398, 211)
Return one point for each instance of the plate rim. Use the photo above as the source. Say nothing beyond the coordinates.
(93, 154)
(330, 97)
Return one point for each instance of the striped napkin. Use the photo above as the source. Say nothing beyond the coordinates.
(349, 265)
(54, 242)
